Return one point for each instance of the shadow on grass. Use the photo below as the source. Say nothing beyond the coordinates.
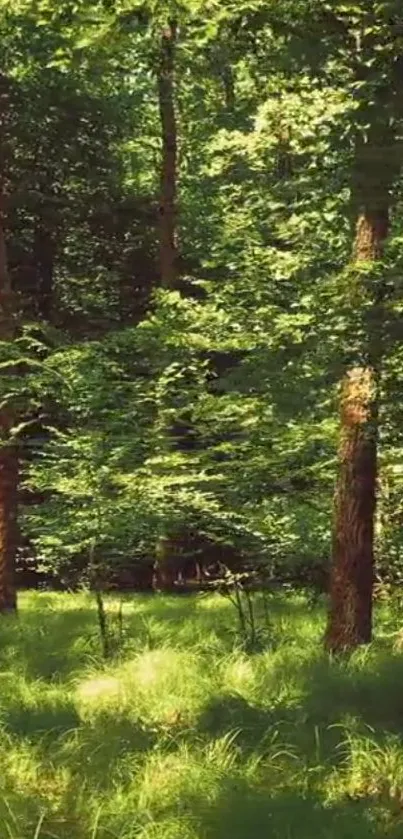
(334, 697)
(47, 644)
(241, 812)
(96, 750)
(35, 721)
(371, 690)
(230, 713)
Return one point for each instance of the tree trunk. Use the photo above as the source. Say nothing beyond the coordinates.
(351, 584)
(167, 209)
(8, 452)
(376, 168)
(166, 559)
(167, 564)
(350, 618)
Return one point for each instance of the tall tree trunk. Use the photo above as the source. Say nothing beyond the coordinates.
(166, 564)
(352, 574)
(8, 452)
(379, 71)
(167, 209)
(350, 616)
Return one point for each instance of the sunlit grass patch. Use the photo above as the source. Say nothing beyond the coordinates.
(165, 686)
(185, 734)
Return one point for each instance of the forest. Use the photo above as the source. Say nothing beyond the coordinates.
(201, 450)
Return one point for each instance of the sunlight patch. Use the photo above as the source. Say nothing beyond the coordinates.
(100, 688)
(239, 675)
(151, 667)
(214, 602)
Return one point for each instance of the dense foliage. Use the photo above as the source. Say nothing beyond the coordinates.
(237, 366)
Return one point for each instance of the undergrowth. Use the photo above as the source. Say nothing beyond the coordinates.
(185, 734)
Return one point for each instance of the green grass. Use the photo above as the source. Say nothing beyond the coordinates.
(185, 735)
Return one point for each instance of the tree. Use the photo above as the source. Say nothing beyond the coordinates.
(8, 450)
(167, 548)
(167, 208)
(376, 166)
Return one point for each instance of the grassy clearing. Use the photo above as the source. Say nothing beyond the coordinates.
(184, 735)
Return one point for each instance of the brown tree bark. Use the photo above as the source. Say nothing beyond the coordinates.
(350, 616)
(352, 573)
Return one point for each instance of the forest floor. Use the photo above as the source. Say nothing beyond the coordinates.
(185, 735)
